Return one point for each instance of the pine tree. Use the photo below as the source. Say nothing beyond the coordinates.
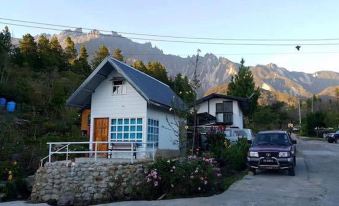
(139, 65)
(242, 85)
(183, 89)
(58, 55)
(44, 51)
(29, 51)
(70, 51)
(100, 55)
(81, 64)
(158, 71)
(5, 48)
(118, 55)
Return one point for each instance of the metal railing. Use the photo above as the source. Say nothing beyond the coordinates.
(132, 147)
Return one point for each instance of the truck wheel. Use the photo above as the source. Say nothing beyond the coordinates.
(291, 171)
(330, 140)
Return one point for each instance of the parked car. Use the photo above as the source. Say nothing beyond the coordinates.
(272, 150)
(234, 134)
(332, 137)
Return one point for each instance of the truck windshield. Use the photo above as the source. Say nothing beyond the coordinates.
(272, 139)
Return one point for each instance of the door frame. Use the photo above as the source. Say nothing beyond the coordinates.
(95, 132)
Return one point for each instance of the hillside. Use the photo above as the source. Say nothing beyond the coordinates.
(212, 70)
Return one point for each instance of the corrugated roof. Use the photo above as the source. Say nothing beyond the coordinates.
(154, 91)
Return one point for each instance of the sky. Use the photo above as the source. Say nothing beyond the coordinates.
(264, 19)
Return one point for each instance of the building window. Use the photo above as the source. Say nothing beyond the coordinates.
(126, 129)
(224, 112)
(119, 87)
(153, 132)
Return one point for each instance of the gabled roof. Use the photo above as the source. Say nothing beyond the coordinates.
(243, 102)
(151, 89)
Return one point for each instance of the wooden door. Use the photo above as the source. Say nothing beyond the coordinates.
(101, 133)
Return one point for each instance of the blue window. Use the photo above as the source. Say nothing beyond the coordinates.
(113, 128)
(152, 132)
(139, 128)
(126, 129)
(119, 128)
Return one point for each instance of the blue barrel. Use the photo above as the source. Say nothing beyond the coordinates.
(10, 106)
(2, 102)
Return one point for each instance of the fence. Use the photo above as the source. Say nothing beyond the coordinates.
(132, 148)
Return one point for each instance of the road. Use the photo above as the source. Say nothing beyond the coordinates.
(316, 183)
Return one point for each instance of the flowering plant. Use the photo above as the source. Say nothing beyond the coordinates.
(184, 177)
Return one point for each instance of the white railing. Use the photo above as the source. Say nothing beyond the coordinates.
(131, 147)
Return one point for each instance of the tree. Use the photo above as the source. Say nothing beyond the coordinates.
(118, 55)
(242, 85)
(29, 51)
(183, 89)
(58, 56)
(70, 51)
(139, 65)
(100, 55)
(81, 64)
(5, 48)
(158, 71)
(44, 51)
(312, 121)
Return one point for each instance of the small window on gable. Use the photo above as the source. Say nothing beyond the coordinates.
(118, 87)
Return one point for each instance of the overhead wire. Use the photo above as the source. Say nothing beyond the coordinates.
(174, 36)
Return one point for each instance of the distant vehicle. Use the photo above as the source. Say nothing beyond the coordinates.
(272, 150)
(234, 134)
(332, 137)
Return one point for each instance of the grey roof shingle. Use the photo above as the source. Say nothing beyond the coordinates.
(154, 91)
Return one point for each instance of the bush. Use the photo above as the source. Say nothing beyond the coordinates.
(230, 156)
(184, 177)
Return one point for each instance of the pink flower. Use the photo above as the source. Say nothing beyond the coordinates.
(156, 184)
(205, 182)
(218, 174)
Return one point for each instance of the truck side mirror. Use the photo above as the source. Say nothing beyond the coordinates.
(294, 141)
(249, 141)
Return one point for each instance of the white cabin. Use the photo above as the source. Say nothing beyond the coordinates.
(126, 106)
(218, 109)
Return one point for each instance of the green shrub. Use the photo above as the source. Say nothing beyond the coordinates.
(183, 177)
(230, 156)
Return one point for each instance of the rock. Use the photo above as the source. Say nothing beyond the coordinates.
(65, 199)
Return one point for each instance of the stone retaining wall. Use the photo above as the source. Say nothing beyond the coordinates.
(83, 183)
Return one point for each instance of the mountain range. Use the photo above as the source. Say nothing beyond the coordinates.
(214, 72)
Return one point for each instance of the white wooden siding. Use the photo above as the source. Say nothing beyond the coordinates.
(237, 113)
(168, 130)
(105, 104)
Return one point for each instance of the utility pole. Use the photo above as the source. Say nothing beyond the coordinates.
(299, 106)
(195, 85)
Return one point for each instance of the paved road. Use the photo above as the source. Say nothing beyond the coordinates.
(316, 183)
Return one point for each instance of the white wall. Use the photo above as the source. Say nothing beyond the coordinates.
(168, 129)
(105, 104)
(237, 113)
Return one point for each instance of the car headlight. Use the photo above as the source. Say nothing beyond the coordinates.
(253, 154)
(284, 154)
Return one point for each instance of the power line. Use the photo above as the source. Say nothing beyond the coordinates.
(181, 41)
(179, 37)
(173, 36)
